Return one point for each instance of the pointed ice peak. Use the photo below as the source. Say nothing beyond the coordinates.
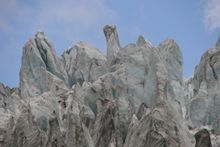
(171, 46)
(109, 30)
(141, 41)
(168, 41)
(86, 48)
(113, 45)
(91, 51)
(40, 35)
(39, 64)
(172, 58)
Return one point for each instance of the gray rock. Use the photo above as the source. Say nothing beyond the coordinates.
(55, 137)
(143, 109)
(216, 127)
(161, 127)
(106, 130)
(203, 138)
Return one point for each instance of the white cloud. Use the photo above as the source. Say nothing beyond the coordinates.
(83, 12)
(212, 14)
(41, 13)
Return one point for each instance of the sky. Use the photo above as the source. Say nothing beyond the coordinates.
(193, 24)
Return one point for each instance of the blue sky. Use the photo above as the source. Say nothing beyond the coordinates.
(193, 24)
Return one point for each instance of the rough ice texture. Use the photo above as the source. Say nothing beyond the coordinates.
(133, 97)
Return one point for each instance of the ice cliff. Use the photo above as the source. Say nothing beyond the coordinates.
(135, 96)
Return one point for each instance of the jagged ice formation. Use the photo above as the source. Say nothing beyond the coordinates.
(133, 97)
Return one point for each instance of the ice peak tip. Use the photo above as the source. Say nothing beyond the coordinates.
(40, 34)
(109, 29)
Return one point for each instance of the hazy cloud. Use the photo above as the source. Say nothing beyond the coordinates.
(212, 14)
(83, 12)
(42, 13)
